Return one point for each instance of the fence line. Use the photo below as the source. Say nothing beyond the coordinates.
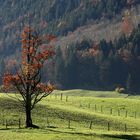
(112, 111)
(90, 124)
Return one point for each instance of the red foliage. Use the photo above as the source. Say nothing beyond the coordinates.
(10, 63)
(33, 58)
(7, 80)
(126, 25)
(50, 37)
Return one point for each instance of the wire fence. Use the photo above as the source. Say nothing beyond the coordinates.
(122, 112)
(76, 122)
(50, 122)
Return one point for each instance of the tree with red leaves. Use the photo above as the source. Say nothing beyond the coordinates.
(127, 25)
(27, 80)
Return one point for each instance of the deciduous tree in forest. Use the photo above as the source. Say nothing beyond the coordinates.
(27, 80)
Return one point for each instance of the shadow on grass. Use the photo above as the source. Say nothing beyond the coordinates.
(51, 126)
(52, 129)
(8, 104)
(125, 137)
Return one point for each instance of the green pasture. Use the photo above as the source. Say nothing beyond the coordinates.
(73, 114)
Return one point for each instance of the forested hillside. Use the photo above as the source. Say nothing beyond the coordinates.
(97, 59)
(103, 65)
(56, 16)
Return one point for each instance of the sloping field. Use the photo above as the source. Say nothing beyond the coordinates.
(70, 115)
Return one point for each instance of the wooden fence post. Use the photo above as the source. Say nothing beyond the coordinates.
(125, 128)
(126, 114)
(90, 126)
(66, 98)
(101, 109)
(69, 123)
(6, 124)
(110, 111)
(61, 96)
(48, 122)
(19, 123)
(108, 126)
(118, 112)
(95, 108)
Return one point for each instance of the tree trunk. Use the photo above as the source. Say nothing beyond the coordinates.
(28, 111)
(28, 117)
(29, 123)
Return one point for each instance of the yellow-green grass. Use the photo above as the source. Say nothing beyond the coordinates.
(79, 117)
(42, 135)
(90, 93)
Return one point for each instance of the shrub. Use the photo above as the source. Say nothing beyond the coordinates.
(120, 90)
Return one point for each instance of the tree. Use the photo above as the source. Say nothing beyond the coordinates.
(2, 64)
(27, 80)
(59, 69)
(71, 67)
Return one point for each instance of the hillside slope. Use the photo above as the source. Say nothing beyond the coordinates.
(105, 29)
(71, 21)
(57, 16)
(53, 116)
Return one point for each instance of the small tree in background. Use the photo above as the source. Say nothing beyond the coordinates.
(27, 80)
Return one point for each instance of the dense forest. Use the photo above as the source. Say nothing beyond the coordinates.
(53, 17)
(100, 66)
(88, 64)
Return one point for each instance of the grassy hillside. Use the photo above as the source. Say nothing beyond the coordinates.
(74, 117)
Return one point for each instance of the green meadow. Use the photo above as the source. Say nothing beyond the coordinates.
(73, 115)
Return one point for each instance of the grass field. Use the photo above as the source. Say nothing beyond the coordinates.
(74, 115)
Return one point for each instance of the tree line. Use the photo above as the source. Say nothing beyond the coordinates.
(99, 65)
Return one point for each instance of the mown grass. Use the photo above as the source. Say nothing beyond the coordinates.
(71, 119)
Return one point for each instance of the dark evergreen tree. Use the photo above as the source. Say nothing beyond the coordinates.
(59, 70)
(71, 67)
